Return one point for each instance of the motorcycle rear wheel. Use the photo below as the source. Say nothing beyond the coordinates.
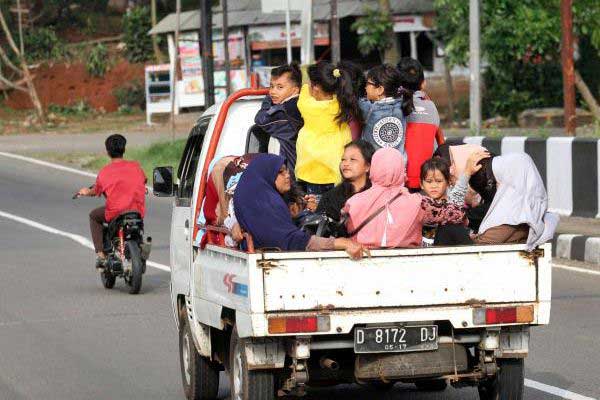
(137, 267)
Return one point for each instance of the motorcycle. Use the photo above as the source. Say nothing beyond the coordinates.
(126, 251)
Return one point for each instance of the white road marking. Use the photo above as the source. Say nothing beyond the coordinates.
(576, 269)
(55, 166)
(48, 164)
(562, 393)
(85, 242)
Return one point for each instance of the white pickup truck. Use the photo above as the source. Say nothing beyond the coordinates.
(279, 322)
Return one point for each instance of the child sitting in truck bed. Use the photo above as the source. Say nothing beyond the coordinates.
(278, 116)
(387, 215)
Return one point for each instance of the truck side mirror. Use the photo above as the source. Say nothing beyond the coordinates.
(162, 182)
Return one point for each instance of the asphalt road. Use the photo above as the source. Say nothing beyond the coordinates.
(63, 336)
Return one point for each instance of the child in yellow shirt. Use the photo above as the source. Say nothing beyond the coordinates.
(327, 105)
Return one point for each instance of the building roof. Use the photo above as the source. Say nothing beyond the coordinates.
(248, 12)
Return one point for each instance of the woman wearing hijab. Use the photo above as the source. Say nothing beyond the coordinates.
(387, 215)
(518, 205)
(518, 211)
(261, 210)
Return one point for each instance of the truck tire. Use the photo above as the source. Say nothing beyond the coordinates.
(246, 384)
(508, 384)
(199, 376)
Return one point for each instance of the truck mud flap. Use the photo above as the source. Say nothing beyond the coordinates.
(390, 366)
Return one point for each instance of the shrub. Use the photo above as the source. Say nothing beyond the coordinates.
(78, 108)
(131, 95)
(42, 44)
(97, 62)
(136, 24)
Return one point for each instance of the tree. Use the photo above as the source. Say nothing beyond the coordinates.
(520, 42)
(373, 32)
(22, 71)
(391, 55)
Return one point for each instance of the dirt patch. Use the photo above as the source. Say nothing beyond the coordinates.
(67, 84)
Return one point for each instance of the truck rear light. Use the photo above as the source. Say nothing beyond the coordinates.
(502, 315)
(299, 324)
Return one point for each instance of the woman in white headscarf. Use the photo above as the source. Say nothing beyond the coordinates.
(518, 211)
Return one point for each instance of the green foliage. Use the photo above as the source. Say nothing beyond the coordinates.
(136, 24)
(42, 44)
(79, 108)
(373, 32)
(131, 95)
(97, 62)
(520, 43)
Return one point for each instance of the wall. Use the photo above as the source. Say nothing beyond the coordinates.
(569, 167)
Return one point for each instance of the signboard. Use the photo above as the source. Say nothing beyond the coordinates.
(280, 6)
(274, 36)
(190, 62)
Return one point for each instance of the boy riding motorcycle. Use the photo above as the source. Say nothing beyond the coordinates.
(123, 183)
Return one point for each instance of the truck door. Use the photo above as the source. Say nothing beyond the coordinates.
(182, 223)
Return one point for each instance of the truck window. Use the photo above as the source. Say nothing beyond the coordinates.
(189, 162)
(257, 140)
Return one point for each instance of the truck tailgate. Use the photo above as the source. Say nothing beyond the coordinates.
(399, 278)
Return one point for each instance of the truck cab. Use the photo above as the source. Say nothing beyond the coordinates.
(278, 322)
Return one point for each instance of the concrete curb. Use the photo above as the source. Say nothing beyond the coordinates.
(577, 247)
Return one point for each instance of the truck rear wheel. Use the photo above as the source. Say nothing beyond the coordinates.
(508, 384)
(199, 375)
(244, 383)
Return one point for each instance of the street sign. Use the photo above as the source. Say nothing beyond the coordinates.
(279, 6)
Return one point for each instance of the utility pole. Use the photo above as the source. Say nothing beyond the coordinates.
(475, 72)
(207, 55)
(226, 47)
(175, 67)
(157, 53)
(288, 31)
(568, 67)
(307, 54)
(335, 33)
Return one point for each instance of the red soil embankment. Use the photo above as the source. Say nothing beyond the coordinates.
(67, 84)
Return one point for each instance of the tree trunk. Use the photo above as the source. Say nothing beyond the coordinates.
(37, 105)
(587, 95)
(157, 53)
(391, 55)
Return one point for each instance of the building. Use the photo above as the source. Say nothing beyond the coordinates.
(257, 40)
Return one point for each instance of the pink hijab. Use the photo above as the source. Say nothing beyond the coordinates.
(399, 225)
(459, 156)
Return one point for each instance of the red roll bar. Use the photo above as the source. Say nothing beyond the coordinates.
(214, 142)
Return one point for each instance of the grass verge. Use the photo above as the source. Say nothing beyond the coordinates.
(155, 155)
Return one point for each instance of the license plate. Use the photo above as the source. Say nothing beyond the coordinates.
(394, 339)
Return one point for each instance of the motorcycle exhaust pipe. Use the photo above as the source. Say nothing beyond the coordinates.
(328, 363)
(146, 247)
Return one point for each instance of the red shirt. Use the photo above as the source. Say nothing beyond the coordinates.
(124, 185)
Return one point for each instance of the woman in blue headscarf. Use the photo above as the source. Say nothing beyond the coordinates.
(261, 210)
